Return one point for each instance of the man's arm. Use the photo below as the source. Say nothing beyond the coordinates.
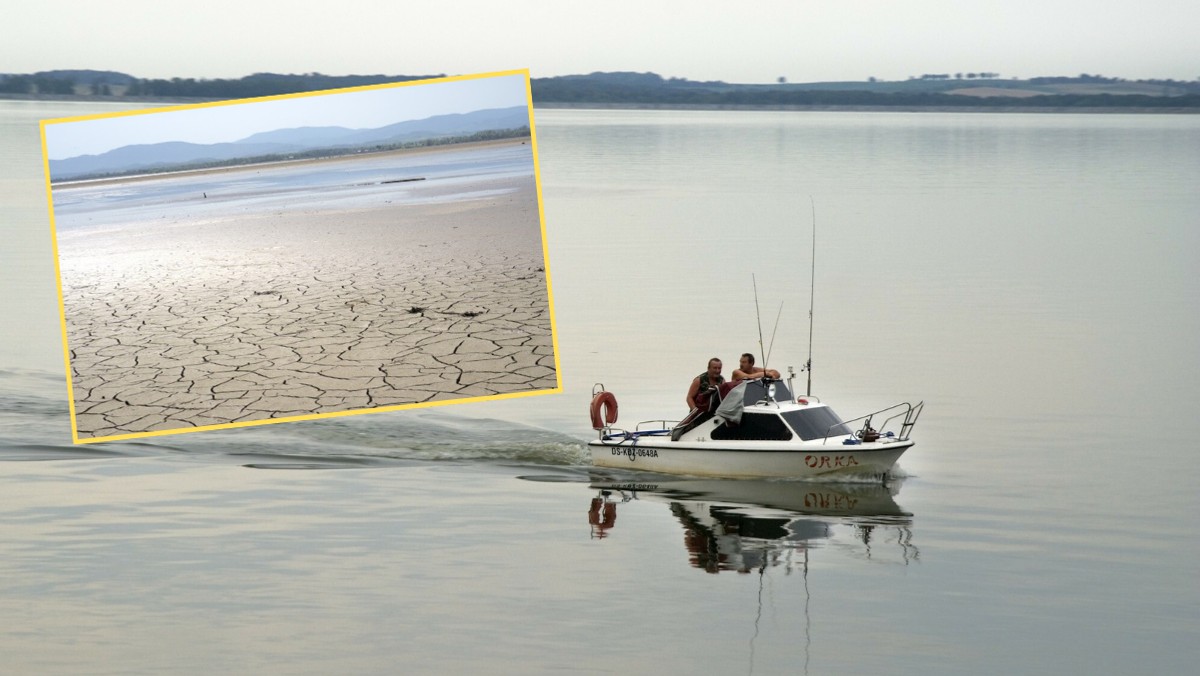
(692, 392)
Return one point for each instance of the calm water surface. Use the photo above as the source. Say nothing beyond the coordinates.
(1031, 277)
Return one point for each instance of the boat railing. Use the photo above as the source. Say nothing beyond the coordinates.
(647, 428)
(655, 425)
(910, 413)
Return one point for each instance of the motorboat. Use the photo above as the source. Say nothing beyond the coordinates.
(756, 429)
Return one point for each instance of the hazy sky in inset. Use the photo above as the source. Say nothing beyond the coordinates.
(753, 42)
(359, 109)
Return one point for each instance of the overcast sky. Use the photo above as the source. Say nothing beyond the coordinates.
(356, 109)
(752, 42)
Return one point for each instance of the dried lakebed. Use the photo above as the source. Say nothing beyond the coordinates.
(199, 322)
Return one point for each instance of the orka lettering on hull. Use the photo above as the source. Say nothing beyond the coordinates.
(830, 461)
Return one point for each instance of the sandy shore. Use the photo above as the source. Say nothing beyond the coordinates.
(302, 313)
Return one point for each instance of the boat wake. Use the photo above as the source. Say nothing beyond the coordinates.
(35, 425)
(407, 436)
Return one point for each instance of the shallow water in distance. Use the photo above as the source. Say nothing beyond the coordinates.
(429, 175)
(1030, 277)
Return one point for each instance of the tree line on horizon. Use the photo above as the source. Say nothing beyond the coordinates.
(110, 83)
(620, 88)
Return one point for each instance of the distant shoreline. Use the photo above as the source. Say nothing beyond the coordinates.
(1140, 110)
(90, 98)
(598, 105)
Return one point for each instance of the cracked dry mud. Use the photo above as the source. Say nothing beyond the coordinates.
(293, 314)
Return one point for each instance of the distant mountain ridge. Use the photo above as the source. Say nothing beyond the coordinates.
(179, 154)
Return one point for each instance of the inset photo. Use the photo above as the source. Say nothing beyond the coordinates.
(301, 256)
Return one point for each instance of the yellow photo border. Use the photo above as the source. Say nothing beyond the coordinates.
(315, 416)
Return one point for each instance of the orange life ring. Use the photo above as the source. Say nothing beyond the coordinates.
(608, 402)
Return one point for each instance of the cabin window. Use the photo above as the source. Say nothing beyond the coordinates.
(816, 423)
(754, 427)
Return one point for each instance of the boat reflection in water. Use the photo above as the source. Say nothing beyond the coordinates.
(751, 525)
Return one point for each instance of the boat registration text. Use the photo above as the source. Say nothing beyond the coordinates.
(635, 453)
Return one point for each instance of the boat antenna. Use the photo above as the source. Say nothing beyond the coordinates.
(812, 292)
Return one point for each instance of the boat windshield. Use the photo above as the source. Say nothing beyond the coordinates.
(757, 390)
(816, 423)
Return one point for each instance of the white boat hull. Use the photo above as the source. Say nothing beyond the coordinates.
(744, 460)
(757, 431)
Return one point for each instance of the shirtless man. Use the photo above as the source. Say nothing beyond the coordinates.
(748, 371)
(709, 380)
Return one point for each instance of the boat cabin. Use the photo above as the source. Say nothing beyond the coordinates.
(768, 413)
(768, 423)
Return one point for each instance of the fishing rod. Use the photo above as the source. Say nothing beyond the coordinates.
(764, 350)
(771, 345)
(812, 296)
(758, 317)
(812, 293)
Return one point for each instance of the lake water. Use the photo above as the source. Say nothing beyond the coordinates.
(1030, 277)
